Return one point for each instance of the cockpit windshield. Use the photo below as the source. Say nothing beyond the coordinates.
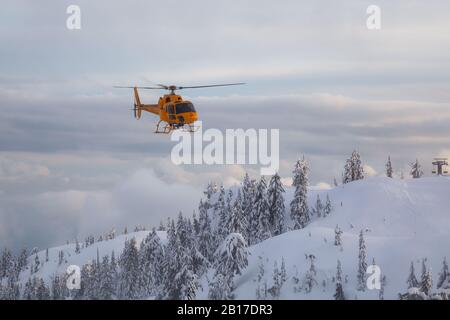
(183, 107)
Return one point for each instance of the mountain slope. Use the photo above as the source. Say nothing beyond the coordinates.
(403, 221)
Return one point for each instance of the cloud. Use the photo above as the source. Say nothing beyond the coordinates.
(49, 218)
(70, 150)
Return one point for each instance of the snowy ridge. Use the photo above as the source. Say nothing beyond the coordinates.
(402, 220)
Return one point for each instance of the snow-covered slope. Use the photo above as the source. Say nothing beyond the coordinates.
(403, 220)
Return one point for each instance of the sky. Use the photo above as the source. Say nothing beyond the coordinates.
(74, 161)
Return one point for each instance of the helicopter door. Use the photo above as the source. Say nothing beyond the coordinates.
(171, 111)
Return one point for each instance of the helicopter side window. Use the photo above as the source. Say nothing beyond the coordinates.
(171, 111)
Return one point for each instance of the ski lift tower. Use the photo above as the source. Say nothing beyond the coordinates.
(440, 166)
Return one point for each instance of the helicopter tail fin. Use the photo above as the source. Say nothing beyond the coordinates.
(137, 104)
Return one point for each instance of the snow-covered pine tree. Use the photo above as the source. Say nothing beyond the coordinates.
(211, 189)
(260, 219)
(195, 225)
(382, 286)
(56, 289)
(328, 207)
(206, 244)
(236, 222)
(283, 273)
(231, 259)
(219, 288)
(22, 260)
(310, 277)
(353, 169)
(416, 170)
(276, 205)
(77, 246)
(444, 276)
(318, 208)
(389, 170)
(232, 255)
(276, 282)
(335, 183)
(412, 280)
(261, 283)
(42, 290)
(339, 294)
(37, 263)
(426, 280)
(362, 263)
(248, 194)
(337, 236)
(178, 277)
(299, 207)
(151, 261)
(6, 263)
(106, 290)
(220, 215)
(129, 272)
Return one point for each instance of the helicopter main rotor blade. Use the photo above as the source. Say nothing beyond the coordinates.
(153, 88)
(212, 85)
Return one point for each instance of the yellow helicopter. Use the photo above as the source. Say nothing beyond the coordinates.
(174, 112)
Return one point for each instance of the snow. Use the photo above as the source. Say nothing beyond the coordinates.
(403, 220)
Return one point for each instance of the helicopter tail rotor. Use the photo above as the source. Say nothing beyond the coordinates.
(137, 106)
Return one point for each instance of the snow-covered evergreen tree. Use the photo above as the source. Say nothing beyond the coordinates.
(56, 288)
(318, 209)
(211, 189)
(416, 169)
(310, 277)
(337, 236)
(206, 244)
(151, 261)
(275, 289)
(276, 205)
(237, 222)
(129, 272)
(220, 214)
(248, 194)
(426, 280)
(444, 276)
(353, 169)
(283, 273)
(106, 290)
(412, 280)
(232, 255)
(299, 207)
(362, 263)
(261, 283)
(6, 263)
(339, 294)
(179, 278)
(219, 288)
(389, 170)
(328, 207)
(260, 217)
(77, 247)
(382, 286)
(37, 263)
(231, 259)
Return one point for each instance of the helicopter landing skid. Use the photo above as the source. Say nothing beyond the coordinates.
(168, 128)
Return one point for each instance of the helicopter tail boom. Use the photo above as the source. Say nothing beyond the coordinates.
(139, 107)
